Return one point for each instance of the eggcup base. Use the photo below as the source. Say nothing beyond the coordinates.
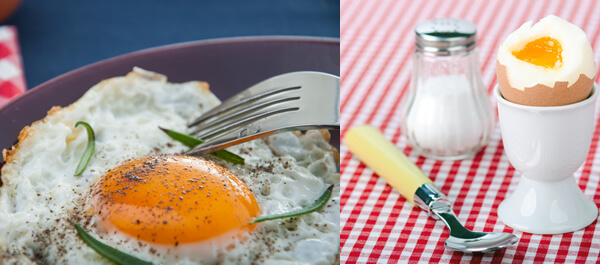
(547, 207)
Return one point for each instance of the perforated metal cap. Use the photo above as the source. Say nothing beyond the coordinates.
(445, 36)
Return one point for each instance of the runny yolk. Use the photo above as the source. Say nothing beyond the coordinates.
(545, 52)
(174, 200)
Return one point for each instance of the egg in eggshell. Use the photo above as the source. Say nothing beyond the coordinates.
(548, 64)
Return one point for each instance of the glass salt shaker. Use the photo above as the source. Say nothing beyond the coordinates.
(447, 112)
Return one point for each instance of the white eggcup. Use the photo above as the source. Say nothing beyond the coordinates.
(547, 145)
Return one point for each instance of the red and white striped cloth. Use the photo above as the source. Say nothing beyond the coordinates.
(12, 81)
(380, 226)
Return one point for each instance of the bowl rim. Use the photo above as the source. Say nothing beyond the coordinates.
(161, 49)
(18, 103)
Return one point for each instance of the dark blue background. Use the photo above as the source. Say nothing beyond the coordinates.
(58, 36)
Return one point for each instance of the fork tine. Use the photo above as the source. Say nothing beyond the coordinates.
(230, 115)
(245, 120)
(250, 132)
(220, 142)
(238, 101)
(311, 102)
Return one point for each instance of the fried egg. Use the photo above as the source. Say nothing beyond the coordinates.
(548, 64)
(140, 195)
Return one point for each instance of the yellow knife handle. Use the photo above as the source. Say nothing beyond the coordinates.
(373, 149)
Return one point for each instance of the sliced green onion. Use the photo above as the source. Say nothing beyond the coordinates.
(191, 142)
(89, 150)
(320, 202)
(107, 251)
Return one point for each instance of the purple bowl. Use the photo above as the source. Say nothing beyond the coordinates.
(228, 65)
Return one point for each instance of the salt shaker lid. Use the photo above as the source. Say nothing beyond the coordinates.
(445, 36)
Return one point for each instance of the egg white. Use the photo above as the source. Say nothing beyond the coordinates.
(577, 54)
(40, 196)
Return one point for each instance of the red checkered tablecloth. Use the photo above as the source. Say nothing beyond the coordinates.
(12, 81)
(378, 224)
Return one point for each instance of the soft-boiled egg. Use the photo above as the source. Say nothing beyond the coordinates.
(547, 64)
(138, 193)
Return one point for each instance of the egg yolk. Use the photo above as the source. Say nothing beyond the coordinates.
(545, 52)
(173, 200)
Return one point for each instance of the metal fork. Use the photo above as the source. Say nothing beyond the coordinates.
(287, 102)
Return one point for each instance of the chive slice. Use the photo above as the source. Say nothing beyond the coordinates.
(228, 156)
(320, 202)
(89, 150)
(107, 251)
(191, 142)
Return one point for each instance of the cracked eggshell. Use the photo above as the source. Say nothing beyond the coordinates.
(541, 95)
